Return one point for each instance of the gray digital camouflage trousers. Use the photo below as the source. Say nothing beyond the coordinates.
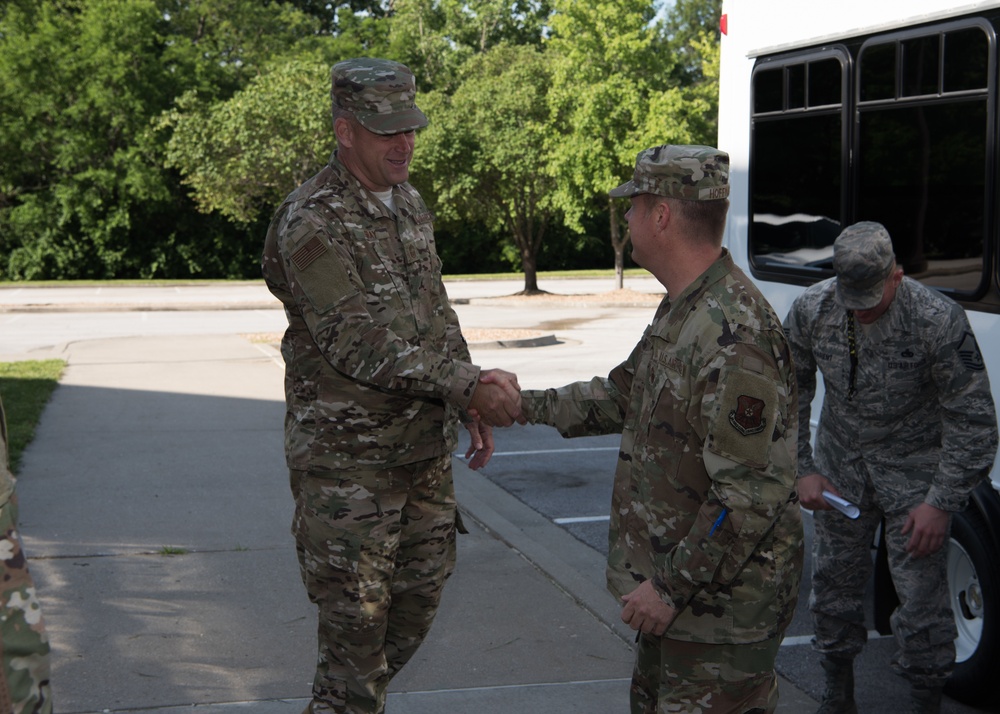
(374, 548)
(24, 644)
(923, 624)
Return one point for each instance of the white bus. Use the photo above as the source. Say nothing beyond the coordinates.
(882, 110)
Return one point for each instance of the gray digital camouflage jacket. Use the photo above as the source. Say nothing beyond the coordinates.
(921, 424)
(376, 366)
(704, 498)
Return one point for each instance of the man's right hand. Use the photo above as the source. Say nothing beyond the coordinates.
(497, 399)
(811, 487)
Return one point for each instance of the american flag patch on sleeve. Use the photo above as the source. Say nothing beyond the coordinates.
(305, 255)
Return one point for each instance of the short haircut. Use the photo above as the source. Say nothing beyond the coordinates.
(339, 113)
(709, 215)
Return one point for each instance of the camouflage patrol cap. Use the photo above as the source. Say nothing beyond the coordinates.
(691, 173)
(379, 93)
(863, 260)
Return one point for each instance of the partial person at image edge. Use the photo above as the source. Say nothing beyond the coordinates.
(24, 643)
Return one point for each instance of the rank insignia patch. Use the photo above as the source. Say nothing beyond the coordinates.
(969, 352)
(748, 416)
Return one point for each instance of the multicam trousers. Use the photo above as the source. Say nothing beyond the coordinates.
(694, 678)
(24, 644)
(375, 548)
(923, 624)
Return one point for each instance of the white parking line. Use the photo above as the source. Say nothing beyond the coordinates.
(554, 451)
(807, 639)
(581, 519)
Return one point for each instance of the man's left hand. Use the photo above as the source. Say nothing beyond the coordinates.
(481, 446)
(645, 610)
(929, 526)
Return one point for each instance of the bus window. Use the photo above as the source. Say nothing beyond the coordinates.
(796, 74)
(922, 174)
(920, 66)
(922, 159)
(825, 83)
(966, 64)
(910, 148)
(878, 73)
(796, 216)
(769, 91)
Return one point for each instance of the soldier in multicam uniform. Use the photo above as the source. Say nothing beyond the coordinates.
(24, 644)
(907, 431)
(377, 374)
(706, 534)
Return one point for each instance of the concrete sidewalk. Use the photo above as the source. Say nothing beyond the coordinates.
(155, 515)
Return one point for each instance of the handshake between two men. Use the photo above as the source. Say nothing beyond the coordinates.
(496, 402)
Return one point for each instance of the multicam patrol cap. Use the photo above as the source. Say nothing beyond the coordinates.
(690, 173)
(863, 260)
(379, 93)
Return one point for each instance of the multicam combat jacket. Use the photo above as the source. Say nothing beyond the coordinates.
(376, 366)
(921, 423)
(704, 497)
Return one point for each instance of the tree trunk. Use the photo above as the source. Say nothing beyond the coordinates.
(530, 265)
(618, 242)
(619, 267)
(528, 239)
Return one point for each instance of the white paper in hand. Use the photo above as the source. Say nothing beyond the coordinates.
(845, 507)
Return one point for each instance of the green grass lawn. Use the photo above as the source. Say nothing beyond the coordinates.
(25, 388)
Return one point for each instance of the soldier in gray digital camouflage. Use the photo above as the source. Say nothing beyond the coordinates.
(907, 430)
(377, 377)
(705, 541)
(24, 643)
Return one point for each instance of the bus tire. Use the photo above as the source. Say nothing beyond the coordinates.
(974, 589)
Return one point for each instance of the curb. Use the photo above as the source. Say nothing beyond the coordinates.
(541, 341)
(139, 307)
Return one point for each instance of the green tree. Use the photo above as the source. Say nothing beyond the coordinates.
(615, 89)
(84, 190)
(219, 45)
(485, 152)
(435, 38)
(242, 156)
(77, 84)
(691, 32)
(691, 28)
(340, 17)
(609, 66)
(143, 138)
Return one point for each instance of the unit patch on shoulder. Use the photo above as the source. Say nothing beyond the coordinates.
(748, 416)
(304, 256)
(968, 351)
(742, 422)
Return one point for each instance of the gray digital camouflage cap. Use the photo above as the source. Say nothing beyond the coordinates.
(691, 173)
(379, 93)
(863, 260)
